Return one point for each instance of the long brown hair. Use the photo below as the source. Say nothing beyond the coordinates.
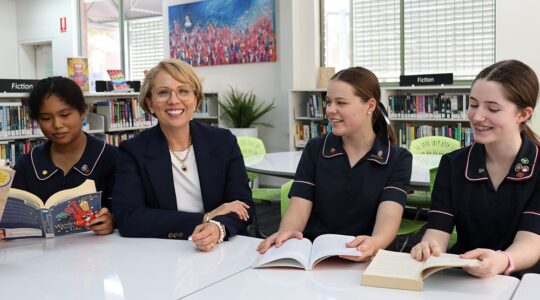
(520, 86)
(366, 86)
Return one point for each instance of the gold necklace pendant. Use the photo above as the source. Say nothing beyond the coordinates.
(182, 161)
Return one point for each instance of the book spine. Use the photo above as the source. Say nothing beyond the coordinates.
(48, 224)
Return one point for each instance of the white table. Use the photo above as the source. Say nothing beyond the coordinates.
(339, 279)
(87, 266)
(284, 164)
(528, 288)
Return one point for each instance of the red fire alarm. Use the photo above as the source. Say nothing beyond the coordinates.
(63, 24)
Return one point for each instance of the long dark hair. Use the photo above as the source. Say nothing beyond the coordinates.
(520, 85)
(366, 86)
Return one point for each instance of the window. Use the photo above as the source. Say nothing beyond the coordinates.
(337, 40)
(139, 48)
(145, 49)
(395, 37)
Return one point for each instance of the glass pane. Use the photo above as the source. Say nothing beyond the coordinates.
(100, 37)
(336, 34)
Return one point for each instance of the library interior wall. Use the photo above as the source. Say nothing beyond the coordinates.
(39, 22)
(517, 37)
(8, 36)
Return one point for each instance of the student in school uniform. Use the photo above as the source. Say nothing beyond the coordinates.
(180, 179)
(70, 156)
(353, 180)
(490, 191)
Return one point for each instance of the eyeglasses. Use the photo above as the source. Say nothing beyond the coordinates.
(164, 94)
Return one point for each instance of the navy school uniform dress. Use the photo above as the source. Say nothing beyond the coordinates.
(145, 202)
(464, 196)
(37, 174)
(345, 199)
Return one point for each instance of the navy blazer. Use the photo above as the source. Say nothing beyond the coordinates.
(144, 200)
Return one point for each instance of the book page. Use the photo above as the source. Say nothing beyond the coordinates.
(87, 187)
(395, 265)
(445, 260)
(25, 196)
(327, 245)
(292, 253)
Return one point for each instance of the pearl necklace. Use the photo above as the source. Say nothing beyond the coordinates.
(183, 160)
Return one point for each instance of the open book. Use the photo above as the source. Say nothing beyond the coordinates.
(398, 270)
(303, 254)
(66, 211)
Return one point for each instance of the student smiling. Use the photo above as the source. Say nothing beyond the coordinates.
(354, 180)
(491, 190)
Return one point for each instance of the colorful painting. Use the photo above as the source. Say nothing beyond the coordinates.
(217, 32)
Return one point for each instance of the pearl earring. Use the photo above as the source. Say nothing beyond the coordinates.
(369, 113)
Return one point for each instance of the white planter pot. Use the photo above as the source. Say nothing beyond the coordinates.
(252, 131)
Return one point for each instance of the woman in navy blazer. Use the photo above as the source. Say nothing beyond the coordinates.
(180, 178)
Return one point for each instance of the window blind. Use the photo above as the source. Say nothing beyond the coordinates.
(449, 36)
(146, 46)
(376, 37)
(439, 36)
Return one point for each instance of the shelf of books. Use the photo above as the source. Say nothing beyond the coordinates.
(208, 111)
(425, 111)
(306, 116)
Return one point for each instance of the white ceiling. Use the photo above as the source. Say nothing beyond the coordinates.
(103, 11)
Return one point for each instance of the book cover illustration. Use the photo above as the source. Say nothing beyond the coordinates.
(119, 81)
(78, 71)
(67, 211)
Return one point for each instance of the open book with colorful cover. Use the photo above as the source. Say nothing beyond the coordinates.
(302, 253)
(67, 211)
(398, 270)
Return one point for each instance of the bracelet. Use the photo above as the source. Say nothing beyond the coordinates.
(511, 265)
(221, 230)
(206, 217)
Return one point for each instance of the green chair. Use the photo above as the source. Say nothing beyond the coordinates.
(434, 145)
(285, 188)
(422, 199)
(250, 146)
(411, 226)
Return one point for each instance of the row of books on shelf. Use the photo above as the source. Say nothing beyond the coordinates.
(409, 132)
(9, 151)
(15, 121)
(436, 106)
(304, 132)
(117, 138)
(124, 113)
(204, 110)
(314, 107)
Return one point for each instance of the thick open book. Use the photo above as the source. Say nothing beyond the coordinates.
(398, 270)
(67, 211)
(303, 254)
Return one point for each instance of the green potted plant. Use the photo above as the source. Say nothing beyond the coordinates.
(241, 110)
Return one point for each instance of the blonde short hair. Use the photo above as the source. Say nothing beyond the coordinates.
(179, 70)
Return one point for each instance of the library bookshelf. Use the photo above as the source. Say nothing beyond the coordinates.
(112, 116)
(306, 116)
(421, 111)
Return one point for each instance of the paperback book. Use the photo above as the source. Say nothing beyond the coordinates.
(67, 211)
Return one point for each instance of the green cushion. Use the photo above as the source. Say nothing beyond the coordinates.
(408, 226)
(266, 194)
(420, 199)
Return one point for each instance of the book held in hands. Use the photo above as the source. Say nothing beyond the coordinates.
(67, 211)
(398, 270)
(302, 253)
